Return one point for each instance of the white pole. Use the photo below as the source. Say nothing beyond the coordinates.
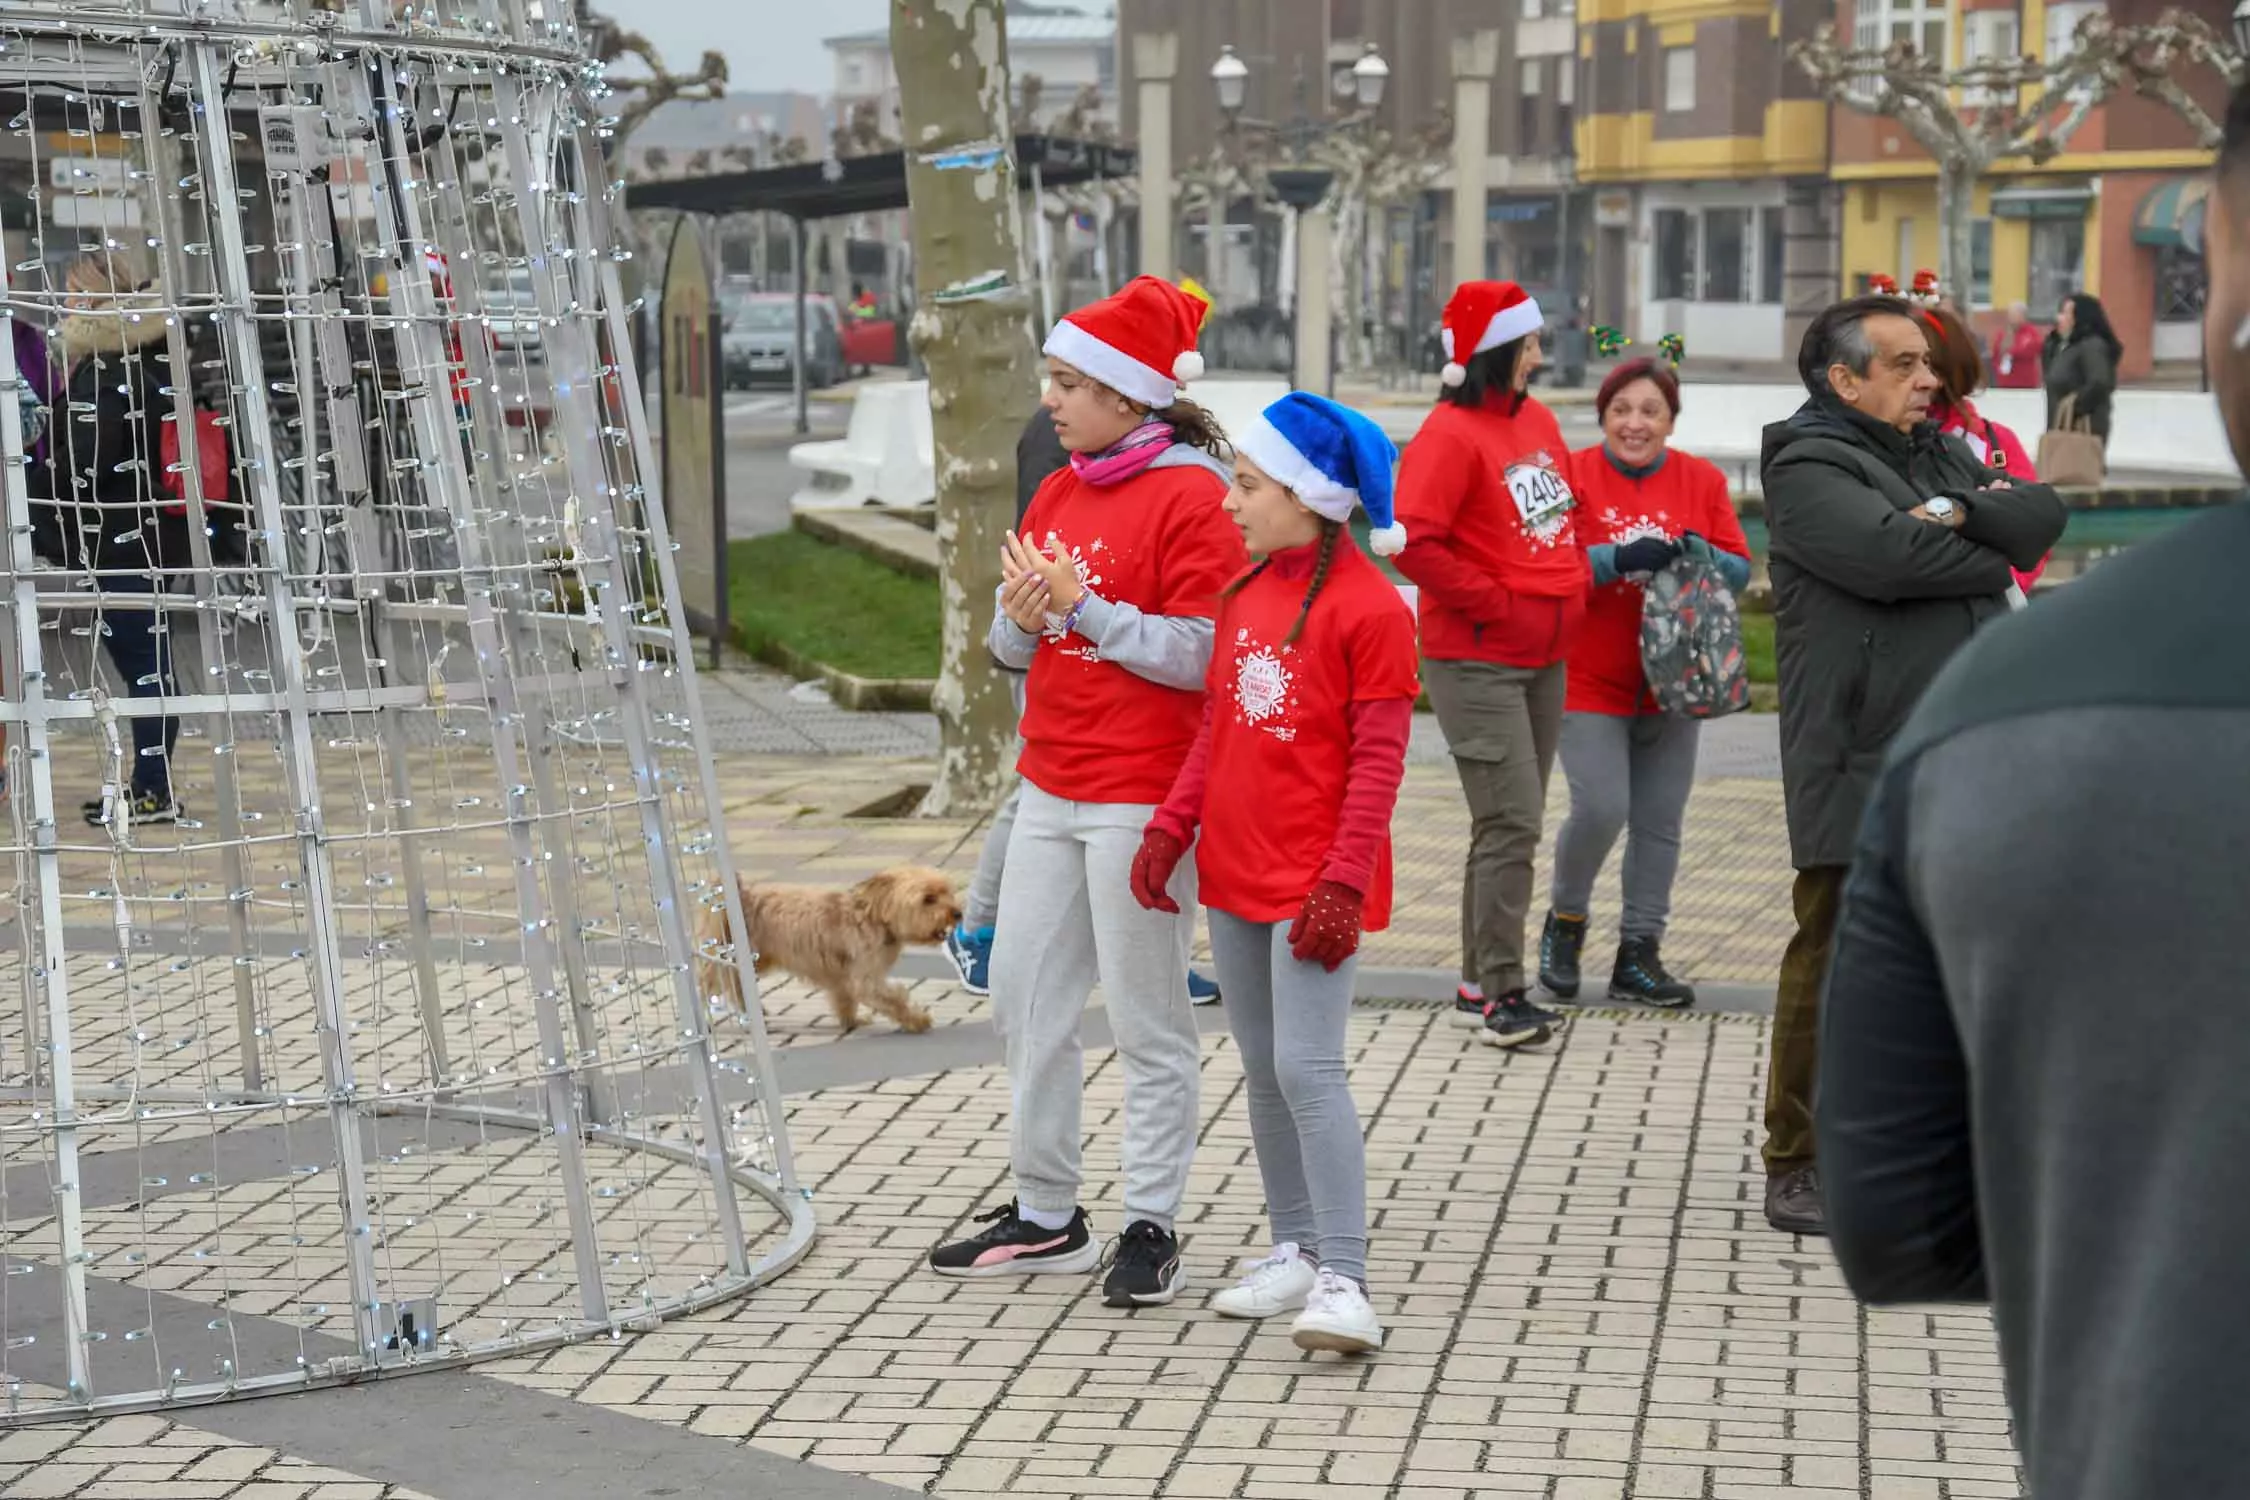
(1043, 237)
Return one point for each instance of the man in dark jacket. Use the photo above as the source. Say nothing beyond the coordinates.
(2058, 833)
(1890, 544)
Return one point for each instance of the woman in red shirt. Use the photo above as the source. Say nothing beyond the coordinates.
(1106, 601)
(1292, 781)
(1953, 359)
(1630, 766)
(1494, 550)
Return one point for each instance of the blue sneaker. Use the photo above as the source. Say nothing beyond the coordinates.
(971, 953)
(1202, 991)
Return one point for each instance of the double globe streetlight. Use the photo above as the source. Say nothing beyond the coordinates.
(1303, 186)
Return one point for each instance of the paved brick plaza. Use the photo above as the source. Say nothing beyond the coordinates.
(1582, 1295)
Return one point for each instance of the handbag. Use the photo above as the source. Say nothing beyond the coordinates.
(2070, 454)
(1691, 642)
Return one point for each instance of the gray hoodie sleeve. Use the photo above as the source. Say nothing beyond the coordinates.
(1010, 644)
(1172, 651)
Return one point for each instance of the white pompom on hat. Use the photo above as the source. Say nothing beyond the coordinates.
(1484, 315)
(1140, 341)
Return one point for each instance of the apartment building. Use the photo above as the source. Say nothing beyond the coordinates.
(2113, 213)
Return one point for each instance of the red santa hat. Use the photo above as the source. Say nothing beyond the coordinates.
(1484, 315)
(1139, 342)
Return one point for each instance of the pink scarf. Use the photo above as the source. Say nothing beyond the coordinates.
(1126, 457)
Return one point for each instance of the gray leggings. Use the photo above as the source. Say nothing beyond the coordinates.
(1288, 1021)
(1630, 773)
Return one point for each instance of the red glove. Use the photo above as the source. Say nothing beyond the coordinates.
(1326, 931)
(1153, 865)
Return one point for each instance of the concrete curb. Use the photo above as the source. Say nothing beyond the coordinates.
(883, 694)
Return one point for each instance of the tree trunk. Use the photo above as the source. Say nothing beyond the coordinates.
(1957, 185)
(972, 327)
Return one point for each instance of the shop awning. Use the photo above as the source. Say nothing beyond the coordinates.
(2027, 202)
(2171, 216)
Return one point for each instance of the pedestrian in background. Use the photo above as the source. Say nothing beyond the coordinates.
(1629, 765)
(1988, 1132)
(2016, 351)
(1890, 545)
(1494, 551)
(1292, 782)
(1106, 599)
(1953, 358)
(2081, 358)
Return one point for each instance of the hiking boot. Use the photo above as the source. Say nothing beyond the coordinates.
(1560, 943)
(1641, 975)
(1793, 1203)
(1468, 1006)
(1510, 1020)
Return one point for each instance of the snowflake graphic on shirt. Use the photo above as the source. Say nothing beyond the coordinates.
(1624, 528)
(1083, 564)
(1264, 687)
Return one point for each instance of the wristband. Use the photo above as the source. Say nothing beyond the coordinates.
(1070, 619)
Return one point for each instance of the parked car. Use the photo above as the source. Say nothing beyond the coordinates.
(760, 332)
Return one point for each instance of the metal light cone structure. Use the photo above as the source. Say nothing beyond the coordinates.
(400, 1047)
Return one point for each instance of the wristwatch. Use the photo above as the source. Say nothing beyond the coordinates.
(1939, 508)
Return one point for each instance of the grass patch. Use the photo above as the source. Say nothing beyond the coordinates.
(833, 605)
(1757, 646)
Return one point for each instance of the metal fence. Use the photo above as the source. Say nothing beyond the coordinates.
(357, 822)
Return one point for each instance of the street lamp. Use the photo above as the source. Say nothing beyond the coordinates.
(1302, 186)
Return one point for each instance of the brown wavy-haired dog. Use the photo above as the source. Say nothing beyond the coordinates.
(843, 943)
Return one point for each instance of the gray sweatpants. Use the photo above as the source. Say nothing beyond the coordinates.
(1632, 773)
(1288, 1022)
(981, 907)
(1068, 919)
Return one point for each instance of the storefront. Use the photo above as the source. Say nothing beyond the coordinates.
(1710, 268)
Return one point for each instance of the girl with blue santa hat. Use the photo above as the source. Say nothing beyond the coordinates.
(1290, 786)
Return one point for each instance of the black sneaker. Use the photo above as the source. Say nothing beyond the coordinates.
(1513, 1021)
(1468, 1009)
(144, 808)
(1641, 975)
(1015, 1246)
(1146, 1270)
(1560, 943)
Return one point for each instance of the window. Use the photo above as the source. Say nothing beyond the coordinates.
(1527, 104)
(1679, 79)
(1772, 244)
(2058, 253)
(1726, 254)
(2062, 30)
(1675, 254)
(1902, 269)
(1989, 36)
(1980, 263)
(1881, 24)
(1566, 99)
(2180, 285)
(1534, 9)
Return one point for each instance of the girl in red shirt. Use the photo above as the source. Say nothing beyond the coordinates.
(1496, 555)
(1630, 767)
(1292, 781)
(1107, 596)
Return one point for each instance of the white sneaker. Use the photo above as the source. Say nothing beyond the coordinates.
(1337, 1317)
(1277, 1284)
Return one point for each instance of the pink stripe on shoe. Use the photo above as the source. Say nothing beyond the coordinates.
(1000, 1255)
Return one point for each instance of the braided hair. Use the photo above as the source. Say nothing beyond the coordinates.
(1330, 532)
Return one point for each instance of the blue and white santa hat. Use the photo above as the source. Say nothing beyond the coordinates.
(1331, 457)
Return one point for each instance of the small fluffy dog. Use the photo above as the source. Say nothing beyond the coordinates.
(843, 943)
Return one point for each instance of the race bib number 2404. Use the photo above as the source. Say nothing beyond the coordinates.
(1541, 497)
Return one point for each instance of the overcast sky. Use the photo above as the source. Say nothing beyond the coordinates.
(770, 44)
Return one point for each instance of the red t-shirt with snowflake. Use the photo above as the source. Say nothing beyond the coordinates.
(1685, 493)
(1281, 734)
(1094, 731)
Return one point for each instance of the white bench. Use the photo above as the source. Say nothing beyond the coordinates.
(885, 456)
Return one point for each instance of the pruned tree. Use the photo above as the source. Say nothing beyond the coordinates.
(645, 91)
(1973, 117)
(1376, 169)
(973, 330)
(863, 132)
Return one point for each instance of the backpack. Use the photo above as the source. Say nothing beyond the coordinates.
(1691, 642)
(211, 460)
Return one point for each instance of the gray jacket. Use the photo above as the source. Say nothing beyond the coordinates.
(2032, 1060)
(1869, 601)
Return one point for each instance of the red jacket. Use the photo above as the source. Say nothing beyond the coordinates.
(2015, 358)
(1685, 493)
(1491, 539)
